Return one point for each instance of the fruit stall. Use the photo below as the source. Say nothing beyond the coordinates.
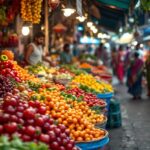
(51, 108)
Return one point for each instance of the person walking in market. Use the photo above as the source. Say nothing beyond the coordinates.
(139, 50)
(34, 52)
(127, 58)
(147, 67)
(99, 51)
(65, 56)
(134, 77)
(120, 65)
(114, 60)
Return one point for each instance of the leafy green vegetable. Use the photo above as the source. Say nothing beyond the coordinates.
(97, 109)
(17, 144)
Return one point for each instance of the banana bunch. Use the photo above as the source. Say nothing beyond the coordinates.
(31, 10)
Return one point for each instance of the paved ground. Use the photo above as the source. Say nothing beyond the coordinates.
(135, 131)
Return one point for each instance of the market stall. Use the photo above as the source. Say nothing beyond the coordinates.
(61, 116)
(56, 106)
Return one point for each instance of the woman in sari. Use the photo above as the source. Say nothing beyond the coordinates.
(134, 77)
(147, 66)
(120, 65)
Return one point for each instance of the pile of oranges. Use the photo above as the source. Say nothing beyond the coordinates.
(77, 117)
(89, 114)
(23, 74)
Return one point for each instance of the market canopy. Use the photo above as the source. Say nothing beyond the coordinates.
(113, 12)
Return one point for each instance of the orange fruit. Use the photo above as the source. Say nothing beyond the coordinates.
(79, 139)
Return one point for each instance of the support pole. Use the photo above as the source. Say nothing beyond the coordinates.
(46, 27)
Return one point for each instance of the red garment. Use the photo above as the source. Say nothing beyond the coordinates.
(120, 67)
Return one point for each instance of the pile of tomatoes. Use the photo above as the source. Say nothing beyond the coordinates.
(90, 98)
(7, 70)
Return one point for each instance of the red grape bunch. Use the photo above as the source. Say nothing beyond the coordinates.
(5, 86)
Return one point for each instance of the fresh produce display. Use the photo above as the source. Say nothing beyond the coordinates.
(46, 112)
(28, 121)
(66, 71)
(63, 76)
(8, 53)
(13, 70)
(8, 11)
(80, 120)
(85, 65)
(18, 144)
(7, 70)
(89, 81)
(42, 71)
(31, 10)
(37, 69)
(74, 69)
(90, 98)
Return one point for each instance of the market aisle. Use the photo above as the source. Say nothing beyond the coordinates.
(135, 131)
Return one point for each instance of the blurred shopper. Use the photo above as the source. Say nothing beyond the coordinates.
(120, 65)
(99, 51)
(147, 66)
(134, 77)
(106, 57)
(65, 56)
(75, 50)
(34, 52)
(139, 50)
(114, 60)
(127, 57)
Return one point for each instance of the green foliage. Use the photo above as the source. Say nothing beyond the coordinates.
(74, 69)
(17, 144)
(34, 86)
(97, 109)
(87, 89)
(145, 4)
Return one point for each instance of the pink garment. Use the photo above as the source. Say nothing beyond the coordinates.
(120, 67)
(136, 68)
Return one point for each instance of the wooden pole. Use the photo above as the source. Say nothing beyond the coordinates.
(46, 27)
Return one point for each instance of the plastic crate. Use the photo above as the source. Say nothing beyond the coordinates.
(114, 116)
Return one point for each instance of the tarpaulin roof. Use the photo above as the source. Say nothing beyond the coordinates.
(112, 12)
(123, 4)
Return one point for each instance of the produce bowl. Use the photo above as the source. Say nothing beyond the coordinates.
(102, 124)
(103, 106)
(107, 97)
(95, 144)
